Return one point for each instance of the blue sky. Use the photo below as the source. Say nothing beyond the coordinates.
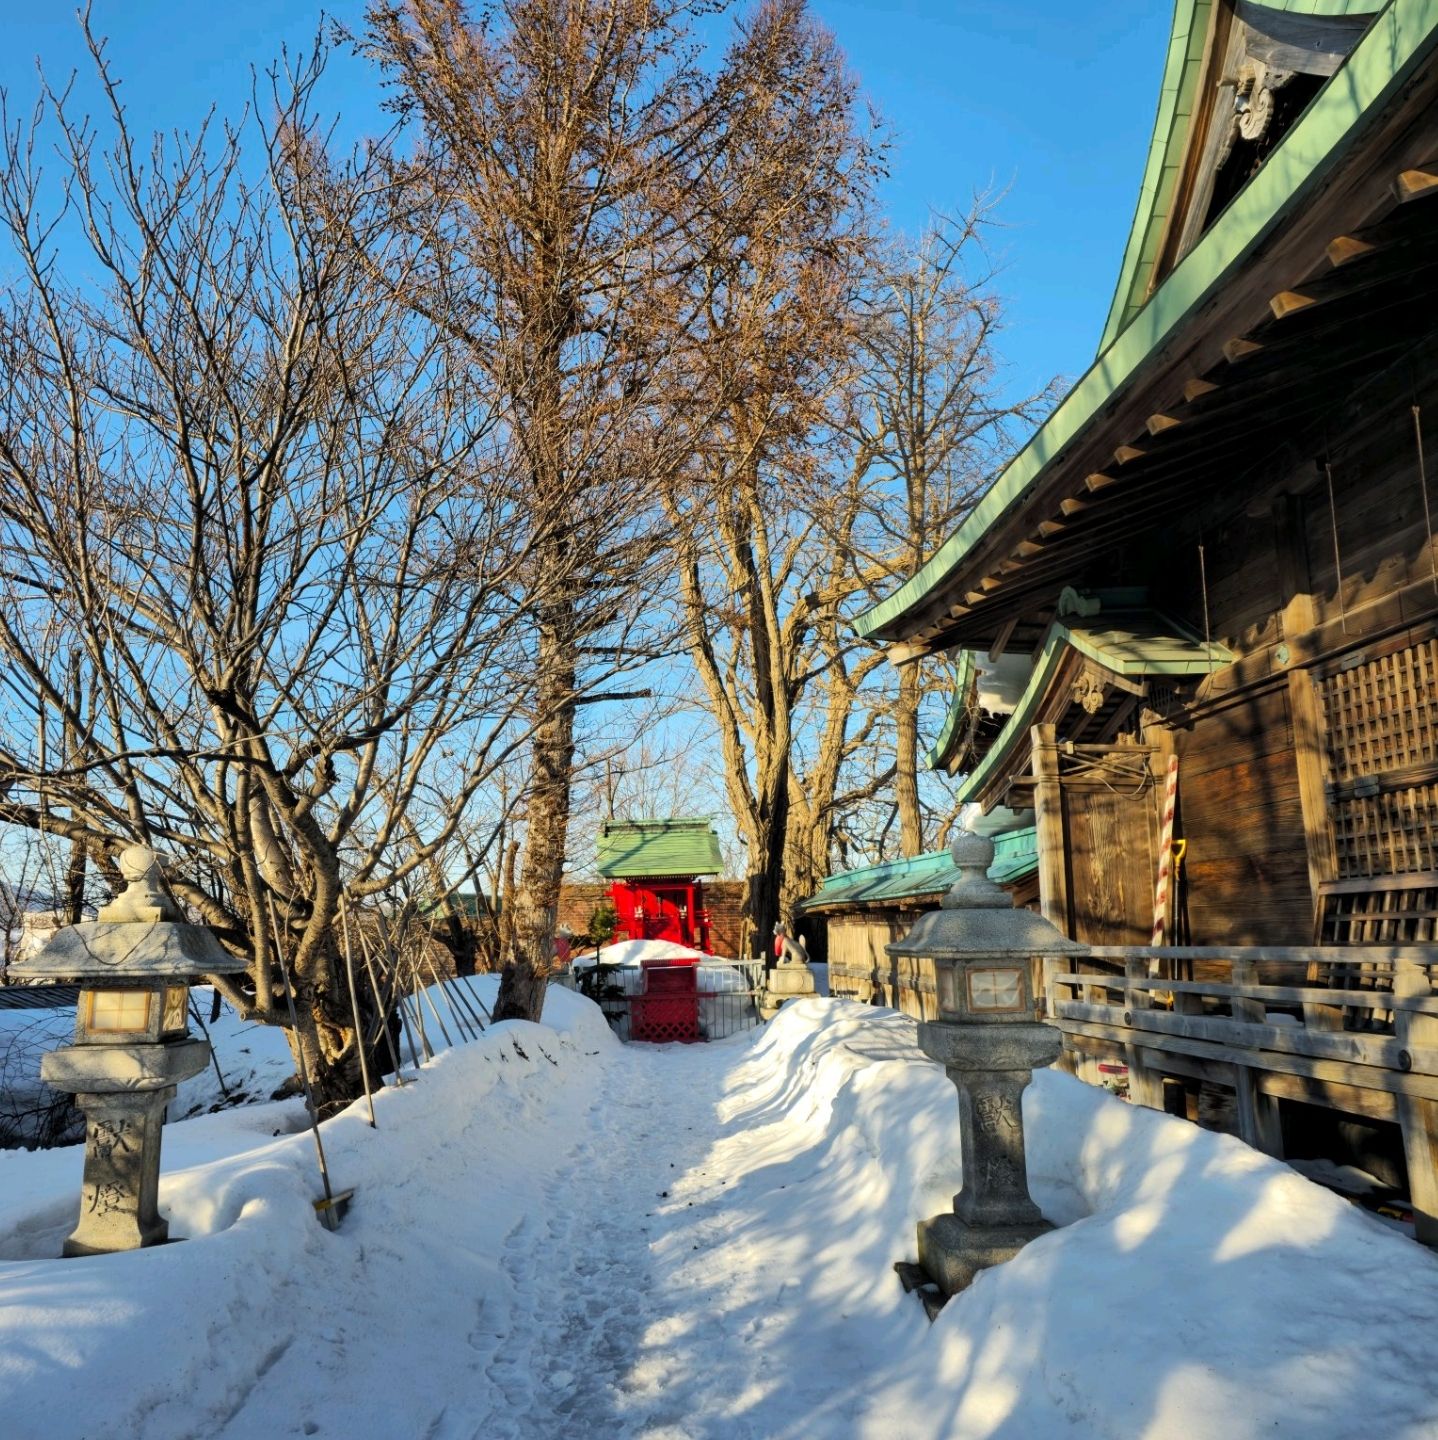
(1049, 99)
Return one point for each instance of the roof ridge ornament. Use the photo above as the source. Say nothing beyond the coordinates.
(1082, 603)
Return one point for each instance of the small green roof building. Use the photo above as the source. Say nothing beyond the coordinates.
(657, 869)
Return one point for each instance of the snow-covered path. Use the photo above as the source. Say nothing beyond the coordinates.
(578, 1356)
(555, 1235)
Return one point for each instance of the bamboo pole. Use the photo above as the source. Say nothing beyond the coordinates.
(304, 1068)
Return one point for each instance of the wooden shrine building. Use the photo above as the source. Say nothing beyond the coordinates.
(1205, 594)
(656, 870)
(1220, 546)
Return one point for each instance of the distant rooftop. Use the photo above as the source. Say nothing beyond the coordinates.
(634, 849)
(1015, 857)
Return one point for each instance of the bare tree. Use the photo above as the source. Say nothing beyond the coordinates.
(760, 595)
(259, 550)
(935, 421)
(564, 146)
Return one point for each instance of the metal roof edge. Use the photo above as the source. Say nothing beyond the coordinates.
(939, 752)
(1012, 858)
(1186, 42)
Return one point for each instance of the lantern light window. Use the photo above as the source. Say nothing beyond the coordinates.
(176, 1007)
(996, 988)
(120, 1010)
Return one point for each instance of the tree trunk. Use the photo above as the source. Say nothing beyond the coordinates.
(327, 1049)
(536, 912)
(906, 761)
(75, 884)
(763, 895)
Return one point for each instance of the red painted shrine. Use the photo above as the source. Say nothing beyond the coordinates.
(656, 869)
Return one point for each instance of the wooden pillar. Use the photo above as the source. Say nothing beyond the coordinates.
(1050, 837)
(1145, 1086)
(1418, 1117)
(1049, 829)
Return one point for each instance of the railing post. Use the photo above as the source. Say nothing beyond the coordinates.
(1418, 1117)
(1259, 1122)
(1145, 1086)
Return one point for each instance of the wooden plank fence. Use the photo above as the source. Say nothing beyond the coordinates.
(1355, 1028)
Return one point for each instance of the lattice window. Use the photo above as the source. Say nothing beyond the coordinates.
(1381, 719)
(1389, 834)
(1403, 912)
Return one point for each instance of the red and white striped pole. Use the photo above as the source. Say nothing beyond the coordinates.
(1165, 851)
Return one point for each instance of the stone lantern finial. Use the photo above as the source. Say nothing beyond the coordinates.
(973, 854)
(144, 898)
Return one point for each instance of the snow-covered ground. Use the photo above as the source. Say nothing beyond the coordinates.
(555, 1235)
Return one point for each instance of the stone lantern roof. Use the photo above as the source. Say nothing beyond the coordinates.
(140, 935)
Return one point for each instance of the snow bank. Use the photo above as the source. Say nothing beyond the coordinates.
(1195, 1289)
(175, 1342)
(554, 1235)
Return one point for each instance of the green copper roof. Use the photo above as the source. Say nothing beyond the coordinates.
(1015, 857)
(658, 848)
(1165, 156)
(1129, 645)
(1177, 99)
(949, 736)
(1401, 38)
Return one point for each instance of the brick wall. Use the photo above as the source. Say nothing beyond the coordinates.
(579, 899)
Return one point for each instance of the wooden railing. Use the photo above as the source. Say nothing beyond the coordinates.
(1352, 1027)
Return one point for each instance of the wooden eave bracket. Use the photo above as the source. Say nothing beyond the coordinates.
(906, 652)
(1345, 249)
(1290, 302)
(1240, 348)
(1415, 184)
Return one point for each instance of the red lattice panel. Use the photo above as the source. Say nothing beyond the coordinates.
(668, 1010)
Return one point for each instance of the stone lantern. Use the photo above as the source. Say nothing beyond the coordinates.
(134, 964)
(989, 1039)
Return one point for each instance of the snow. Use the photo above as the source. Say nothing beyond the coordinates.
(254, 1060)
(636, 952)
(555, 1235)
